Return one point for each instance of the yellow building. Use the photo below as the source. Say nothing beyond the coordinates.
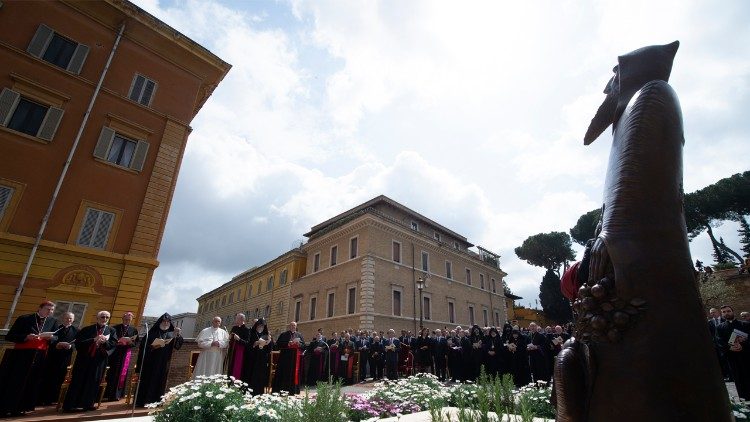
(260, 292)
(125, 86)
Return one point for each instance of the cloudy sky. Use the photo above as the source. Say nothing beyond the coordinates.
(470, 113)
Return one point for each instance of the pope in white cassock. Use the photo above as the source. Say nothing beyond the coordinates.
(213, 341)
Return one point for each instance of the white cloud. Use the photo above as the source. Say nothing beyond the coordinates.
(470, 114)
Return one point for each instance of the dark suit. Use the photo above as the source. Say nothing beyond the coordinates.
(439, 353)
(713, 326)
(377, 359)
(391, 358)
(362, 345)
(739, 361)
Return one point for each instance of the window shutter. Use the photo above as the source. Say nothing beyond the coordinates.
(79, 56)
(139, 157)
(148, 92)
(101, 233)
(87, 228)
(50, 123)
(135, 90)
(40, 41)
(8, 101)
(5, 193)
(105, 140)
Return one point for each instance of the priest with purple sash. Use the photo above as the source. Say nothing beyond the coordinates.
(119, 361)
(238, 338)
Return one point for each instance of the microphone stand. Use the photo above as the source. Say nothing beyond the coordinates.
(140, 373)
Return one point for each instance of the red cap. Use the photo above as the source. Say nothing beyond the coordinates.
(569, 283)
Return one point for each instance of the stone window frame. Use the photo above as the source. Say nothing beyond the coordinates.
(312, 310)
(427, 310)
(334, 255)
(395, 242)
(354, 247)
(451, 310)
(349, 305)
(316, 262)
(331, 303)
(449, 269)
(425, 263)
(400, 290)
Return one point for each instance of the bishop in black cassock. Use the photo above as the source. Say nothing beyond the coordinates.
(155, 367)
(21, 368)
(58, 358)
(288, 370)
(119, 361)
(94, 344)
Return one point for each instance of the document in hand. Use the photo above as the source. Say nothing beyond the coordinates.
(736, 333)
(161, 342)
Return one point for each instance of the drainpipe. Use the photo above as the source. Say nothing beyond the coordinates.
(414, 289)
(52, 201)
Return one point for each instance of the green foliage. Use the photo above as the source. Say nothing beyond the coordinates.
(715, 292)
(555, 305)
(586, 226)
(727, 199)
(547, 250)
(329, 405)
(744, 233)
(720, 255)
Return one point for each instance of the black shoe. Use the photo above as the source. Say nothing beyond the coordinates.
(89, 409)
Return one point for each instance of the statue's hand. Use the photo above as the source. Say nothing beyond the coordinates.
(599, 261)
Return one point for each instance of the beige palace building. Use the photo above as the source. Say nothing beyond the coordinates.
(363, 266)
(359, 270)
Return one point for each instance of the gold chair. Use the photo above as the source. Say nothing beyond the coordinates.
(193, 361)
(102, 387)
(134, 376)
(274, 363)
(64, 387)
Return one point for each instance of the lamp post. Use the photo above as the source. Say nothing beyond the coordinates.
(421, 285)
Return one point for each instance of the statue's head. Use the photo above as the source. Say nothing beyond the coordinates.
(632, 72)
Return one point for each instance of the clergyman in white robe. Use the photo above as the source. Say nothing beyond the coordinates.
(211, 358)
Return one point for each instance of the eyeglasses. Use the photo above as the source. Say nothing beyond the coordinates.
(105, 317)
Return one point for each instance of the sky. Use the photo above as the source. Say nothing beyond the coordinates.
(470, 113)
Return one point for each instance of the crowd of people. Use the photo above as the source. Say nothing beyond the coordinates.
(34, 370)
(730, 340)
(455, 355)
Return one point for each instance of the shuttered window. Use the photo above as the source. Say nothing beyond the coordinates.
(351, 300)
(95, 228)
(142, 90)
(78, 310)
(6, 192)
(120, 150)
(331, 298)
(27, 116)
(58, 50)
(282, 278)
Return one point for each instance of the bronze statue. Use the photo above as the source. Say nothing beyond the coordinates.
(642, 351)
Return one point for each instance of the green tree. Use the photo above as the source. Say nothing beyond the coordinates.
(727, 199)
(550, 251)
(555, 305)
(586, 226)
(547, 250)
(744, 232)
